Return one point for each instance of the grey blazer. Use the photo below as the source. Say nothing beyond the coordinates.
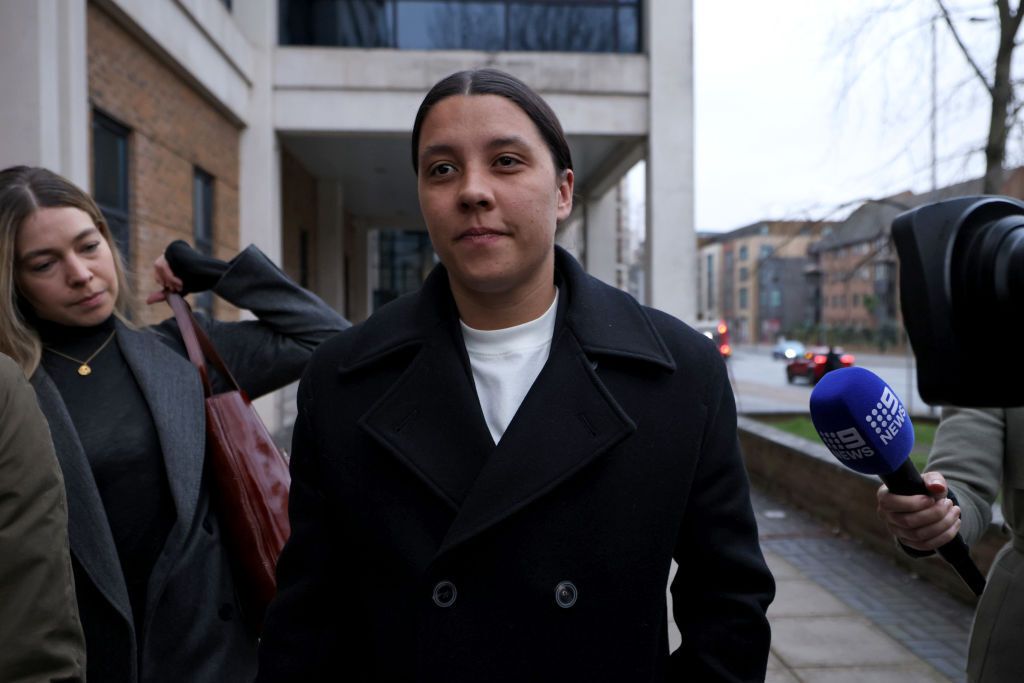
(193, 631)
(981, 452)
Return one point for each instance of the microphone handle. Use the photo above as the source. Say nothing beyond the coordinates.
(906, 481)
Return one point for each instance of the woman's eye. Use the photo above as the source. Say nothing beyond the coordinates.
(91, 246)
(41, 267)
(442, 169)
(505, 161)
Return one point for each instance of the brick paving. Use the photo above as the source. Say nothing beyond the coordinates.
(830, 585)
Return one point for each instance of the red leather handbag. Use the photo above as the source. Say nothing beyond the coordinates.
(249, 474)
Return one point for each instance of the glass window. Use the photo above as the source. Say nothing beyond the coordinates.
(775, 300)
(744, 273)
(765, 251)
(404, 258)
(744, 253)
(110, 178)
(548, 25)
(564, 27)
(202, 225)
(743, 297)
(450, 25)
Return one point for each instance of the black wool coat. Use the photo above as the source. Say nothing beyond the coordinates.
(422, 551)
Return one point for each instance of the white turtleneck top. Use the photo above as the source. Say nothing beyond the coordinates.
(505, 364)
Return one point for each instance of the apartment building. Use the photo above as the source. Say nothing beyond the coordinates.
(286, 123)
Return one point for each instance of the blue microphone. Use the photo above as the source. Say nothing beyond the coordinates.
(866, 427)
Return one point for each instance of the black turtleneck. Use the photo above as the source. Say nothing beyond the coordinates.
(117, 432)
(120, 441)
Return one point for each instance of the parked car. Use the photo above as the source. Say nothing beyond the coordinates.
(814, 363)
(718, 332)
(787, 349)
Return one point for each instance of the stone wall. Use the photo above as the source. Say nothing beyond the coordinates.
(806, 474)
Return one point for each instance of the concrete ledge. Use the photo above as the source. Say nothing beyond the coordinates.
(806, 474)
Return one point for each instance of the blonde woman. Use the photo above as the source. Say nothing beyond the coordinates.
(125, 407)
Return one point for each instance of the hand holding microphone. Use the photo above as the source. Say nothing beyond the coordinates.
(866, 427)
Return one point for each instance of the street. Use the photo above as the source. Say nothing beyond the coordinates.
(759, 381)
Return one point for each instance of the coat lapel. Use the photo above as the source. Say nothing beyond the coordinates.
(431, 419)
(174, 395)
(567, 420)
(88, 528)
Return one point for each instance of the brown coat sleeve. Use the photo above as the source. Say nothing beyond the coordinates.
(40, 631)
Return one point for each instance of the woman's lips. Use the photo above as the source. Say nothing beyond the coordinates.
(91, 301)
(480, 235)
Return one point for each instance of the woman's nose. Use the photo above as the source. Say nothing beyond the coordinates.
(475, 192)
(78, 271)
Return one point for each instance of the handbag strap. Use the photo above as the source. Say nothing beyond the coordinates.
(198, 345)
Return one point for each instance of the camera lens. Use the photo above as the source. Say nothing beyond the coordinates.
(988, 268)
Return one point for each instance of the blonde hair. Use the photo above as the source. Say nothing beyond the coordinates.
(23, 191)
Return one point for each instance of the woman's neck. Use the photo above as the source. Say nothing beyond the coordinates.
(486, 311)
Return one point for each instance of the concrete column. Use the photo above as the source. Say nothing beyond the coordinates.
(602, 217)
(330, 256)
(44, 81)
(259, 153)
(671, 238)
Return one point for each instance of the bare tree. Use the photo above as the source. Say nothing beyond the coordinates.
(998, 20)
(1000, 86)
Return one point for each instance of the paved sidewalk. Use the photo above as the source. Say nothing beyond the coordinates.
(843, 614)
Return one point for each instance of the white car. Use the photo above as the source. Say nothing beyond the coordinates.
(787, 349)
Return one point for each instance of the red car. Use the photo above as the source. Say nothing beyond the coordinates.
(813, 365)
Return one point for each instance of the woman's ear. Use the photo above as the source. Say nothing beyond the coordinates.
(565, 186)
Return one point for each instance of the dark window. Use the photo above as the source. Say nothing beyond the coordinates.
(404, 258)
(202, 225)
(766, 251)
(524, 25)
(110, 178)
(743, 297)
(744, 273)
(743, 253)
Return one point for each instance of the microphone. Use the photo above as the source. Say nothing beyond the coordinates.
(866, 427)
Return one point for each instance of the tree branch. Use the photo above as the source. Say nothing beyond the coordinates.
(963, 48)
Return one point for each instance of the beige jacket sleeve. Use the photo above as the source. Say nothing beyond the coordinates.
(968, 451)
(40, 633)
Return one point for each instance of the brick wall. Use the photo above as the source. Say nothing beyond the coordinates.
(173, 129)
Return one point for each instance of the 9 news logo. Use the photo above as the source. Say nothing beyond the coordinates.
(847, 444)
(887, 417)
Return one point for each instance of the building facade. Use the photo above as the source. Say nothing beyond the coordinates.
(754, 265)
(286, 123)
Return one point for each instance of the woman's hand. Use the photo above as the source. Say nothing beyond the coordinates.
(165, 277)
(921, 522)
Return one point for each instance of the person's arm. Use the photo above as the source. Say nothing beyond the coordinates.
(266, 353)
(966, 458)
(40, 632)
(723, 587)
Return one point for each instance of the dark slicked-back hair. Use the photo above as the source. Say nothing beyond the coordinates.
(497, 82)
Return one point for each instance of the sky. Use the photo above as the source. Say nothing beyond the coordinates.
(798, 114)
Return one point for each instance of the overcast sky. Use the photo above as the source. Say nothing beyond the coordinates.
(777, 138)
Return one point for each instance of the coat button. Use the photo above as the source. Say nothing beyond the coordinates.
(445, 594)
(565, 594)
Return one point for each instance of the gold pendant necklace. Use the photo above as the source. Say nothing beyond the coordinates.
(83, 365)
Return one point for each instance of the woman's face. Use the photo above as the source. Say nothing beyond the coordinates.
(64, 267)
(490, 195)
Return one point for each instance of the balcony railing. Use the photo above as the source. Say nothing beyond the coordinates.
(517, 25)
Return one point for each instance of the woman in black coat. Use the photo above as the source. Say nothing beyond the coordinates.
(125, 407)
(491, 476)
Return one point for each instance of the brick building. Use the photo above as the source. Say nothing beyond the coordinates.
(738, 256)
